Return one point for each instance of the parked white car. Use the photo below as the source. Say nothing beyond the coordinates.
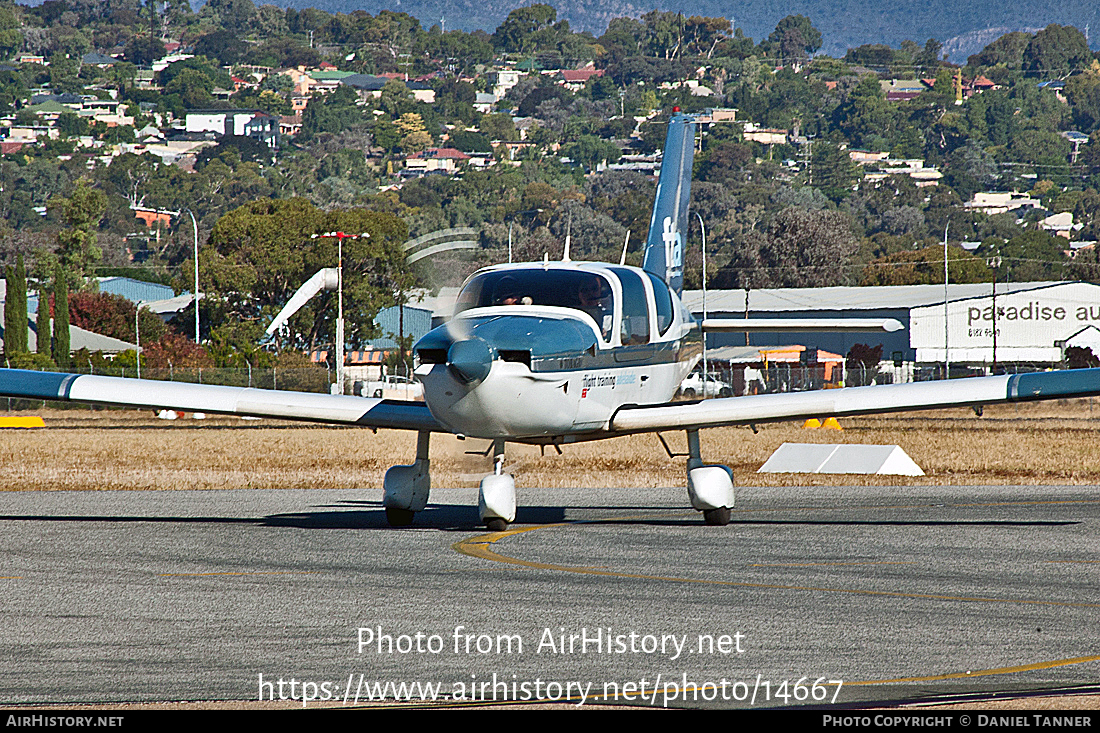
(391, 387)
(693, 386)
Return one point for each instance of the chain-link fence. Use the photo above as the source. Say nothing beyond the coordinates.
(295, 379)
(740, 379)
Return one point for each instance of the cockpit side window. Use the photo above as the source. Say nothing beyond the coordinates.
(585, 291)
(663, 300)
(635, 322)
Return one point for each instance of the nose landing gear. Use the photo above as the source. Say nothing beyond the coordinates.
(496, 501)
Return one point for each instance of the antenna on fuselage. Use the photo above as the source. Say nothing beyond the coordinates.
(565, 254)
(622, 260)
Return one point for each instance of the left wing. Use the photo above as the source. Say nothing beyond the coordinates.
(153, 394)
(858, 401)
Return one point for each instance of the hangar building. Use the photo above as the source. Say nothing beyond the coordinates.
(1035, 322)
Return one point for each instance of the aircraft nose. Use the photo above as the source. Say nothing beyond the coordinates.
(469, 360)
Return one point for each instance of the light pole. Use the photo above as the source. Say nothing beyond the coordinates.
(706, 369)
(946, 353)
(137, 334)
(195, 229)
(340, 237)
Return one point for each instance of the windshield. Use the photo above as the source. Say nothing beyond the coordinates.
(577, 289)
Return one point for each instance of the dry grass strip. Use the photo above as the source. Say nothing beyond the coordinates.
(1051, 442)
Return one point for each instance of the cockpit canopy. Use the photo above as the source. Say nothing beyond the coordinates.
(638, 302)
(582, 290)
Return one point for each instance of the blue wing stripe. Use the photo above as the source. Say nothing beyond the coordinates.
(40, 385)
(1045, 385)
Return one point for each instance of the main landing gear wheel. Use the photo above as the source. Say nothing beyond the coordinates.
(710, 487)
(399, 517)
(496, 525)
(719, 517)
(405, 488)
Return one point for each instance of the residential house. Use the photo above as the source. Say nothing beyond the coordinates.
(902, 90)
(764, 135)
(446, 160)
(991, 203)
(1060, 224)
(575, 79)
(256, 124)
(501, 80)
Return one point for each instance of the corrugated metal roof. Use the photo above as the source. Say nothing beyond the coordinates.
(135, 290)
(78, 338)
(417, 323)
(843, 298)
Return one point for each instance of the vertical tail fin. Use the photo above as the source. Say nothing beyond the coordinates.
(664, 249)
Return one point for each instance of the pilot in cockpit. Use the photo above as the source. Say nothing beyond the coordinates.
(594, 298)
(507, 292)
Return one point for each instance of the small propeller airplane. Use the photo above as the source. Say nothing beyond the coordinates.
(551, 353)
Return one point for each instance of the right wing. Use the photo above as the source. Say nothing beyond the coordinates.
(857, 401)
(800, 325)
(186, 397)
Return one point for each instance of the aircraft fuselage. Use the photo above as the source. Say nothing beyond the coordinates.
(542, 351)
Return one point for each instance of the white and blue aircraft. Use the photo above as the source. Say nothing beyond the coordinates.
(550, 353)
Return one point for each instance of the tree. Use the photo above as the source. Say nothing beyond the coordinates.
(113, 315)
(61, 347)
(333, 112)
(499, 127)
(801, 249)
(1008, 50)
(925, 267)
(1083, 93)
(664, 37)
(795, 37)
(143, 50)
(1055, 50)
(1031, 256)
(703, 34)
(622, 38)
(233, 15)
(866, 112)
(521, 30)
(81, 212)
(235, 149)
(44, 345)
(861, 363)
(11, 39)
(590, 151)
(225, 46)
(15, 310)
(259, 254)
(470, 142)
(833, 171)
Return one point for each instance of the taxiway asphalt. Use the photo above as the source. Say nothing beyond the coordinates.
(900, 592)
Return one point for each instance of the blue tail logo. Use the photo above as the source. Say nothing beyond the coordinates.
(664, 250)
